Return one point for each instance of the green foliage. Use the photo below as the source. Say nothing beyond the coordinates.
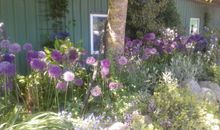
(44, 121)
(186, 67)
(170, 16)
(174, 107)
(143, 75)
(215, 70)
(149, 15)
(57, 11)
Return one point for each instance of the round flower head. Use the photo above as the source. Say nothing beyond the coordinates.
(78, 82)
(7, 68)
(4, 43)
(27, 47)
(150, 37)
(122, 60)
(54, 71)
(37, 64)
(3, 65)
(96, 91)
(105, 63)
(73, 55)
(61, 85)
(114, 85)
(41, 54)
(9, 57)
(68, 76)
(104, 72)
(10, 70)
(56, 55)
(31, 55)
(90, 61)
(14, 48)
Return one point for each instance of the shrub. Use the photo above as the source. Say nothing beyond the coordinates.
(186, 67)
(146, 16)
(174, 107)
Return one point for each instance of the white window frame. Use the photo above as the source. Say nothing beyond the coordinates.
(190, 27)
(92, 51)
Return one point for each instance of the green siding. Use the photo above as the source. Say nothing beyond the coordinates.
(188, 9)
(28, 21)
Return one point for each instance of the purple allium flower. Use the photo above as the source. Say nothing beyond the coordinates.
(122, 60)
(55, 71)
(31, 55)
(14, 48)
(3, 65)
(104, 72)
(90, 61)
(27, 47)
(150, 51)
(4, 43)
(138, 43)
(114, 85)
(73, 55)
(61, 85)
(56, 55)
(41, 54)
(96, 91)
(105, 63)
(68, 76)
(129, 44)
(9, 57)
(37, 64)
(78, 82)
(8, 69)
(150, 37)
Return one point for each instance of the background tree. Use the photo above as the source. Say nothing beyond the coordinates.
(149, 16)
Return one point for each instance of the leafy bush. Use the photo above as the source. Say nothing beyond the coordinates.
(186, 67)
(173, 107)
(146, 16)
(215, 70)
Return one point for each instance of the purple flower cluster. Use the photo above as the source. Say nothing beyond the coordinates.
(38, 65)
(55, 71)
(7, 68)
(114, 85)
(150, 45)
(7, 57)
(105, 68)
(56, 55)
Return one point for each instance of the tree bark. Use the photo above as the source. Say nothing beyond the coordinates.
(115, 28)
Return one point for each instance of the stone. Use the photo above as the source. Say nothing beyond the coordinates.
(213, 86)
(208, 95)
(192, 85)
(117, 126)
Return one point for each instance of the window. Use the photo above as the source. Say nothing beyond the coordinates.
(194, 25)
(97, 25)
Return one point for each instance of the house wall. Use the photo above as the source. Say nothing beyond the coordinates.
(28, 21)
(189, 9)
(215, 17)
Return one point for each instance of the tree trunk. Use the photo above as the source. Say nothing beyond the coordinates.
(115, 28)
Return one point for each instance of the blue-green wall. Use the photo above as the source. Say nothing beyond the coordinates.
(27, 20)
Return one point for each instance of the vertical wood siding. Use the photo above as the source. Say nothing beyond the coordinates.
(188, 9)
(28, 21)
